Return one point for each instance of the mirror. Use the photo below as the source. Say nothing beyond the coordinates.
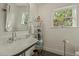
(17, 16)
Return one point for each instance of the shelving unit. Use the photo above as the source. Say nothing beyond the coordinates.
(39, 44)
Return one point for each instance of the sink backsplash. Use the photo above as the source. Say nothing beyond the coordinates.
(22, 34)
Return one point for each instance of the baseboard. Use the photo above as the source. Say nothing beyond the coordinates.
(58, 51)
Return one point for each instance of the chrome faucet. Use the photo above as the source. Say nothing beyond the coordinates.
(11, 39)
(13, 36)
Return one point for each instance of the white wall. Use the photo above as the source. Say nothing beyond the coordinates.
(53, 37)
(2, 18)
(34, 9)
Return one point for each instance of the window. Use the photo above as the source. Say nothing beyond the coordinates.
(64, 17)
(25, 17)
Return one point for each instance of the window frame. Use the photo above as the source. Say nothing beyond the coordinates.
(74, 16)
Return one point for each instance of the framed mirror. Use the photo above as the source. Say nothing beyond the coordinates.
(17, 16)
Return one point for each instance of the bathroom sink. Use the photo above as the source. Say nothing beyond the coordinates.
(16, 46)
